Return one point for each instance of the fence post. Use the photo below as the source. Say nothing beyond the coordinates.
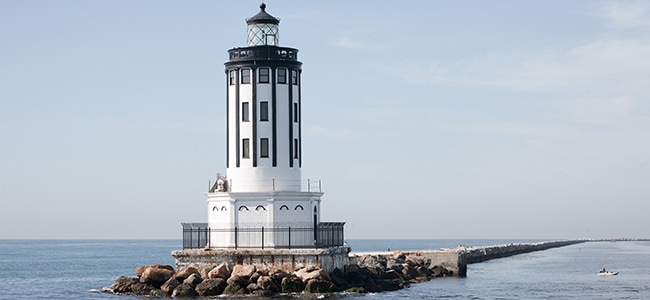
(262, 237)
(289, 237)
(236, 235)
(191, 233)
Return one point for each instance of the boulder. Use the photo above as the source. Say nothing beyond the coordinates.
(184, 273)
(123, 284)
(415, 261)
(397, 267)
(193, 279)
(374, 264)
(267, 283)
(306, 274)
(391, 274)
(235, 289)
(399, 255)
(140, 270)
(184, 290)
(238, 280)
(338, 278)
(439, 271)
(245, 271)
(252, 287)
(142, 289)
(211, 287)
(254, 277)
(277, 276)
(373, 261)
(221, 271)
(319, 286)
(156, 276)
(410, 272)
(355, 275)
(205, 271)
(292, 284)
(169, 285)
(158, 293)
(388, 285)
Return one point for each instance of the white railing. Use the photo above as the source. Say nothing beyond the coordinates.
(273, 185)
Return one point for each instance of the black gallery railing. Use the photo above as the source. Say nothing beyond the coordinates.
(327, 234)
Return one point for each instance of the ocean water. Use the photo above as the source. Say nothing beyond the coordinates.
(78, 269)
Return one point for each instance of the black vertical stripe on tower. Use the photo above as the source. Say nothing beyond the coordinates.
(237, 119)
(299, 120)
(227, 118)
(274, 125)
(290, 85)
(254, 117)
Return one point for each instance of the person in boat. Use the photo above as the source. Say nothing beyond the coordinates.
(603, 271)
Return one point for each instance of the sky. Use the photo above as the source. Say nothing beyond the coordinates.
(422, 119)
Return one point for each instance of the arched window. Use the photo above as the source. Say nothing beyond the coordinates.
(215, 208)
(284, 207)
(299, 206)
(223, 208)
(260, 208)
(243, 208)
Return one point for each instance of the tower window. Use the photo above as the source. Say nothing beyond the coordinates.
(245, 117)
(294, 77)
(264, 147)
(232, 79)
(245, 76)
(295, 112)
(282, 76)
(264, 111)
(264, 75)
(295, 148)
(246, 153)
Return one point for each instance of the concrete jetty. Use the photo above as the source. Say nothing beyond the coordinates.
(457, 259)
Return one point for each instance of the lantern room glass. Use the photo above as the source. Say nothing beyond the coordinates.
(263, 34)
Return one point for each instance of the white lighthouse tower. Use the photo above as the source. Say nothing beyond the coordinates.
(263, 201)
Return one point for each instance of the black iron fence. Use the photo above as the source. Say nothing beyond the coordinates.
(326, 234)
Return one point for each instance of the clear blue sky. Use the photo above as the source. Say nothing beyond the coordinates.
(423, 119)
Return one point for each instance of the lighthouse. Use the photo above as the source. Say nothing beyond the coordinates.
(262, 201)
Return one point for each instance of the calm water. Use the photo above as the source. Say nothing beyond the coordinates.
(78, 269)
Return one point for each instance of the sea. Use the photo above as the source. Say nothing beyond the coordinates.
(80, 269)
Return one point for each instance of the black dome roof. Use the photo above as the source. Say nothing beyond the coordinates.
(262, 17)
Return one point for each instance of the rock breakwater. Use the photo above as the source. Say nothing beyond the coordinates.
(370, 273)
(483, 253)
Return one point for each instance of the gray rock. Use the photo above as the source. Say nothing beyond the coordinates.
(169, 285)
(184, 290)
(211, 287)
(123, 284)
(319, 286)
(156, 276)
(184, 273)
(141, 289)
(267, 283)
(193, 280)
(292, 284)
(141, 269)
(243, 271)
(223, 270)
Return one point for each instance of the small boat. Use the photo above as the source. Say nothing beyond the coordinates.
(607, 273)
